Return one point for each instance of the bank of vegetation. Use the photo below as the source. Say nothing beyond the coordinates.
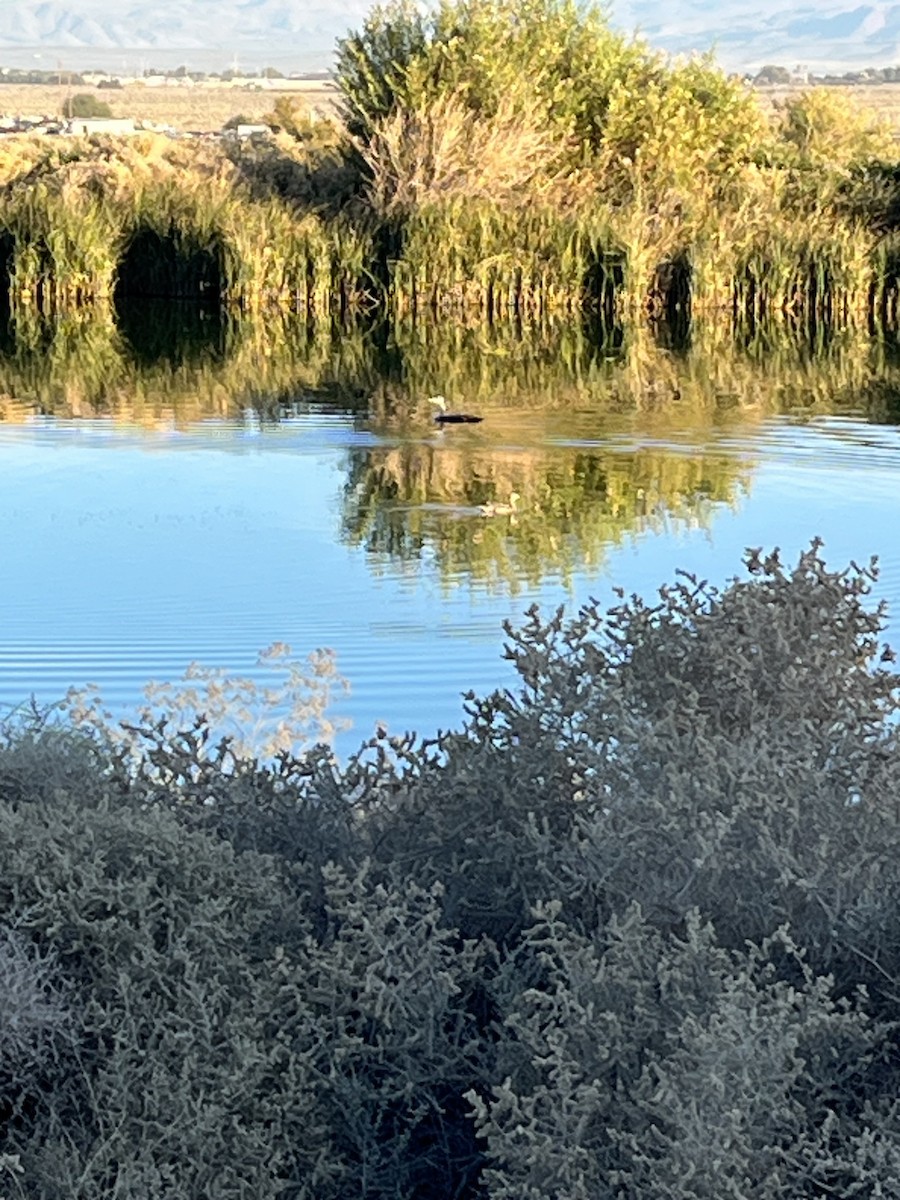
(494, 156)
(630, 931)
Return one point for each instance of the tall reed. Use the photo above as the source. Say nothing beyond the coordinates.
(499, 158)
(154, 217)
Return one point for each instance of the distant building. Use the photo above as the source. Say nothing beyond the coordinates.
(85, 126)
(251, 131)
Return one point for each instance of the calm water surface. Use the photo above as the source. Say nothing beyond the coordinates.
(202, 508)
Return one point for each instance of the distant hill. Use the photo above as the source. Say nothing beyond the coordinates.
(829, 35)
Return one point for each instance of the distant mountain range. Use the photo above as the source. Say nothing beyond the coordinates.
(823, 36)
(831, 35)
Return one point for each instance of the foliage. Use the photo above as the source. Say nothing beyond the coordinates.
(164, 1083)
(533, 103)
(416, 156)
(771, 73)
(291, 115)
(672, 127)
(149, 214)
(555, 65)
(35, 1014)
(824, 127)
(872, 193)
(237, 119)
(631, 930)
(372, 64)
(515, 155)
(309, 163)
(282, 716)
(554, 53)
(84, 104)
(673, 1068)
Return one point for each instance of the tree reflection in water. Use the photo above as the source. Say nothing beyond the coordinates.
(602, 432)
(421, 499)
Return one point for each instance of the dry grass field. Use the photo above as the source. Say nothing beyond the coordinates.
(183, 108)
(883, 98)
(208, 109)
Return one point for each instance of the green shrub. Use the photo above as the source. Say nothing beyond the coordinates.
(552, 54)
(83, 104)
(212, 1047)
(239, 119)
(35, 1020)
(165, 945)
(667, 1066)
(700, 793)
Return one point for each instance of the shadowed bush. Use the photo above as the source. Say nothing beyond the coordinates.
(630, 931)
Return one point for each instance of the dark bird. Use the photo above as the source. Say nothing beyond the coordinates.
(442, 417)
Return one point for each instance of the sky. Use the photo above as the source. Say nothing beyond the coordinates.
(299, 35)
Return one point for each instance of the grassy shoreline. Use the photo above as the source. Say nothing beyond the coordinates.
(614, 183)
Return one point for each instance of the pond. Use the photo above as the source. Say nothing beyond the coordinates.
(179, 488)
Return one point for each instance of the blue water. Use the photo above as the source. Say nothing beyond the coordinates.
(128, 553)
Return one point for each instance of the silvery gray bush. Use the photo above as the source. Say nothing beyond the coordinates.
(631, 931)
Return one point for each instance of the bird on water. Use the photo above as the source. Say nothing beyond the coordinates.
(443, 417)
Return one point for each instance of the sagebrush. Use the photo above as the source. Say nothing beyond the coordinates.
(630, 930)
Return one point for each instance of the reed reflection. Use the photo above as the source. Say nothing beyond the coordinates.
(202, 362)
(592, 435)
(170, 332)
(147, 364)
(599, 441)
(505, 506)
(7, 336)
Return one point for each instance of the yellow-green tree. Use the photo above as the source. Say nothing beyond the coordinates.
(825, 127)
